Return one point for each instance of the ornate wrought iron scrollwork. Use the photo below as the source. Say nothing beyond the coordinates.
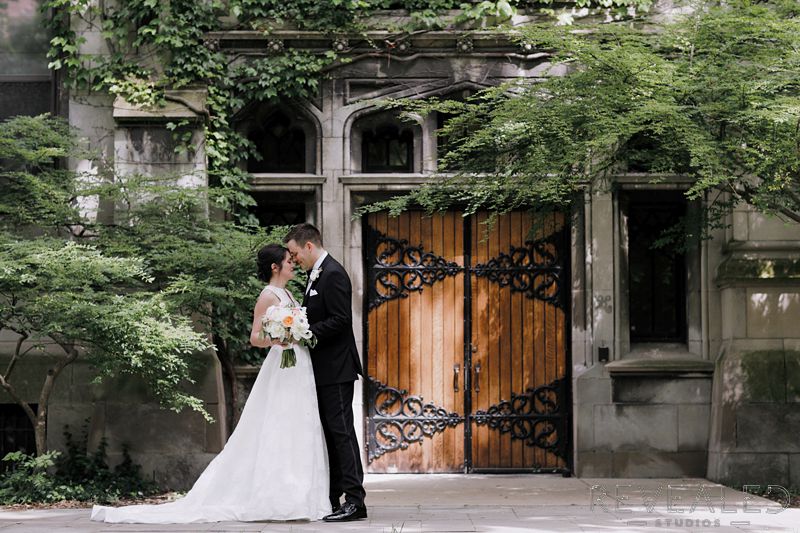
(538, 417)
(534, 269)
(398, 269)
(397, 420)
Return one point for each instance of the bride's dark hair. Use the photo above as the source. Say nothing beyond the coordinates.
(271, 254)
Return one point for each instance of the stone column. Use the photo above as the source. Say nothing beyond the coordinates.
(755, 415)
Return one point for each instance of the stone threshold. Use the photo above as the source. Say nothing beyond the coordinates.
(661, 367)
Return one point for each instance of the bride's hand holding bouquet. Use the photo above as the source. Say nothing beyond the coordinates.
(287, 325)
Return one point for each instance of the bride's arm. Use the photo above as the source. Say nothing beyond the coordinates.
(265, 300)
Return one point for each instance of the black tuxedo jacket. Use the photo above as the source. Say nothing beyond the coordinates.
(335, 357)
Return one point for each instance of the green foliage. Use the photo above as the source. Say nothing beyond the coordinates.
(76, 475)
(714, 96)
(55, 286)
(153, 46)
(27, 480)
(206, 268)
(305, 14)
(90, 477)
(292, 73)
(80, 296)
(34, 188)
(120, 294)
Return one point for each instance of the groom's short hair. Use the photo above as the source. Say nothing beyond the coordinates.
(303, 233)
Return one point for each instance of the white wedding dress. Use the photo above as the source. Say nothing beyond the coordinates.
(274, 465)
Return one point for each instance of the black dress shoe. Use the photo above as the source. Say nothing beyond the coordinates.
(347, 513)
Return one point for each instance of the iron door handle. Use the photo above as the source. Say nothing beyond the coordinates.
(478, 377)
(456, 368)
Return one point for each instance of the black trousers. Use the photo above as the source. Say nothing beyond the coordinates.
(336, 414)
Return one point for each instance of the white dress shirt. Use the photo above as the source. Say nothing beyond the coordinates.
(317, 264)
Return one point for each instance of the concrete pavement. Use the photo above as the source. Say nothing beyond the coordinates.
(497, 503)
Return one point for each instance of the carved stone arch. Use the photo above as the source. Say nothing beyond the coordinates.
(464, 85)
(425, 146)
(369, 119)
(286, 133)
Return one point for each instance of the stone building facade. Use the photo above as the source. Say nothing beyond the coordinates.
(699, 379)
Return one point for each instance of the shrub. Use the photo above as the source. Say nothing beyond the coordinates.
(76, 475)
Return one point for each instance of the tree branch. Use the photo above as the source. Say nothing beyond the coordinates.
(13, 393)
(747, 195)
(16, 356)
(788, 213)
(793, 195)
(188, 104)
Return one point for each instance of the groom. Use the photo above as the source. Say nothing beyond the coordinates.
(336, 366)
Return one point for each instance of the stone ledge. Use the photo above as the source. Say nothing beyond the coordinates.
(665, 390)
(429, 41)
(385, 179)
(246, 371)
(661, 367)
(188, 104)
(303, 182)
(748, 271)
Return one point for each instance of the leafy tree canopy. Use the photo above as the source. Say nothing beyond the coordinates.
(714, 96)
(118, 295)
(151, 46)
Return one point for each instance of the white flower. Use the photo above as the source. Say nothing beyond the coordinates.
(274, 330)
(314, 274)
(290, 326)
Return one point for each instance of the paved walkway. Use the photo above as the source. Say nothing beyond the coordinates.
(498, 503)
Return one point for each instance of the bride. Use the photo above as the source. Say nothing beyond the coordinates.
(274, 465)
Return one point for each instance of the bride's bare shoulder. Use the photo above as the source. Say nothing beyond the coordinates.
(267, 298)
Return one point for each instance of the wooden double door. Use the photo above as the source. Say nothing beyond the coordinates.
(466, 343)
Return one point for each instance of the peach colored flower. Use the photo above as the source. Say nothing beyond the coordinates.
(288, 320)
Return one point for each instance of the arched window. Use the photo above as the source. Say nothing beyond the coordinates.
(281, 143)
(387, 148)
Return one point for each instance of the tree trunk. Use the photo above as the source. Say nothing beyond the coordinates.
(40, 430)
(40, 425)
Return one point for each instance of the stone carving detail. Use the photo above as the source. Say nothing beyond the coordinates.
(465, 44)
(275, 46)
(211, 44)
(603, 303)
(401, 46)
(340, 44)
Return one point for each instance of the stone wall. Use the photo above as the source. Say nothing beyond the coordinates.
(171, 447)
(756, 397)
(757, 416)
(638, 412)
(643, 418)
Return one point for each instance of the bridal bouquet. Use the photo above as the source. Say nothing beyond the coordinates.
(288, 324)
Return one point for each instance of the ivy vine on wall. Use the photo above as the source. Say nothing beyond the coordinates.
(148, 46)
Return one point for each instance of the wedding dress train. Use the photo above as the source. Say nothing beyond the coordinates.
(274, 465)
